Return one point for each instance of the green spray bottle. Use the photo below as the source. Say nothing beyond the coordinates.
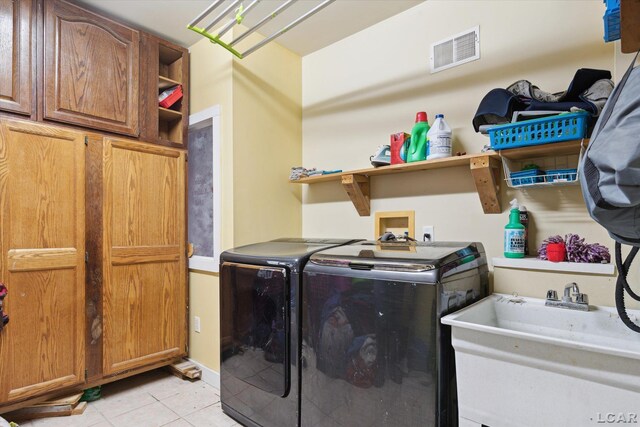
(514, 233)
(418, 148)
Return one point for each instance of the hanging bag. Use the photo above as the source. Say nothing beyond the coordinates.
(4, 319)
(610, 178)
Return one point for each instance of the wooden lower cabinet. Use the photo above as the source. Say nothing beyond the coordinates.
(92, 241)
(42, 239)
(144, 259)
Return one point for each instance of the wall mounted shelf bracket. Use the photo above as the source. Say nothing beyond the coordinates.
(486, 175)
(357, 187)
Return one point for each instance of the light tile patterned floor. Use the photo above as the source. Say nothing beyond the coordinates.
(152, 399)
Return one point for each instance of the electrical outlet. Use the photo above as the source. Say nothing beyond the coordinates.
(196, 324)
(427, 233)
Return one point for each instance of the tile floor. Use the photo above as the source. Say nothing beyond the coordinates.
(152, 399)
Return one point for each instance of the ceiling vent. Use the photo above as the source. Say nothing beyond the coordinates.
(455, 50)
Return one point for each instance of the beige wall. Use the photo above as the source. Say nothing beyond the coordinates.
(622, 61)
(204, 302)
(267, 127)
(211, 84)
(362, 89)
(261, 121)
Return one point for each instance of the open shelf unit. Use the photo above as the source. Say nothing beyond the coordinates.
(484, 167)
(163, 65)
(171, 66)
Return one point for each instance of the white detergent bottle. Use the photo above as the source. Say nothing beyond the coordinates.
(439, 137)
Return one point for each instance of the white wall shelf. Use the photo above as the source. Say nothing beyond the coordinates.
(564, 267)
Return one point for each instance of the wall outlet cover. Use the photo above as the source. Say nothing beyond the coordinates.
(196, 324)
(428, 233)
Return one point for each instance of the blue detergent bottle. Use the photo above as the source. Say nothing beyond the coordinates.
(418, 148)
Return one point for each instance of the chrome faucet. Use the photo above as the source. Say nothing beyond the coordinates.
(581, 301)
(573, 286)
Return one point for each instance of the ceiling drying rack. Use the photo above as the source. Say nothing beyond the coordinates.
(239, 12)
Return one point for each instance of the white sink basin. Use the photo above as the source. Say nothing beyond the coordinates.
(520, 363)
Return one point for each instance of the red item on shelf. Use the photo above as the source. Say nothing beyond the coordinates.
(170, 96)
(556, 252)
(398, 140)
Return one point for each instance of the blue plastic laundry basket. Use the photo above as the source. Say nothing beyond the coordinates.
(563, 127)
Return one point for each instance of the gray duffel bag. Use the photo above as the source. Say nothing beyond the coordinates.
(610, 178)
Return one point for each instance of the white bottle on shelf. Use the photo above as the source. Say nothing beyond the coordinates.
(439, 137)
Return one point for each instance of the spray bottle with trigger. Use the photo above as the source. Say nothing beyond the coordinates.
(514, 233)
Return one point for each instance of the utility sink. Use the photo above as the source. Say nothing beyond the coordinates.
(521, 363)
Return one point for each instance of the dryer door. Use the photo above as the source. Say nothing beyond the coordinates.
(255, 318)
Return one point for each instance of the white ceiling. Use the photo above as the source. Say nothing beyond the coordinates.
(169, 18)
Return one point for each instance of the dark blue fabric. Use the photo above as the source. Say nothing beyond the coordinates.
(583, 80)
(497, 107)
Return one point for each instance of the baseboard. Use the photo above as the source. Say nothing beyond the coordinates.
(209, 376)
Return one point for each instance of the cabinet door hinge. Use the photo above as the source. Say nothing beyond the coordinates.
(86, 374)
(86, 257)
(86, 140)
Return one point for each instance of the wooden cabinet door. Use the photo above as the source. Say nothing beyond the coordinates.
(144, 284)
(43, 257)
(16, 72)
(91, 67)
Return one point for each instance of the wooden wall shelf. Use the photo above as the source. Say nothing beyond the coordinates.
(166, 82)
(447, 162)
(167, 114)
(546, 150)
(484, 167)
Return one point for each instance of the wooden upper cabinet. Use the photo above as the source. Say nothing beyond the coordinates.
(91, 70)
(42, 251)
(16, 55)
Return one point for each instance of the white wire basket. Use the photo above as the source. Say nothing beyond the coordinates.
(552, 171)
